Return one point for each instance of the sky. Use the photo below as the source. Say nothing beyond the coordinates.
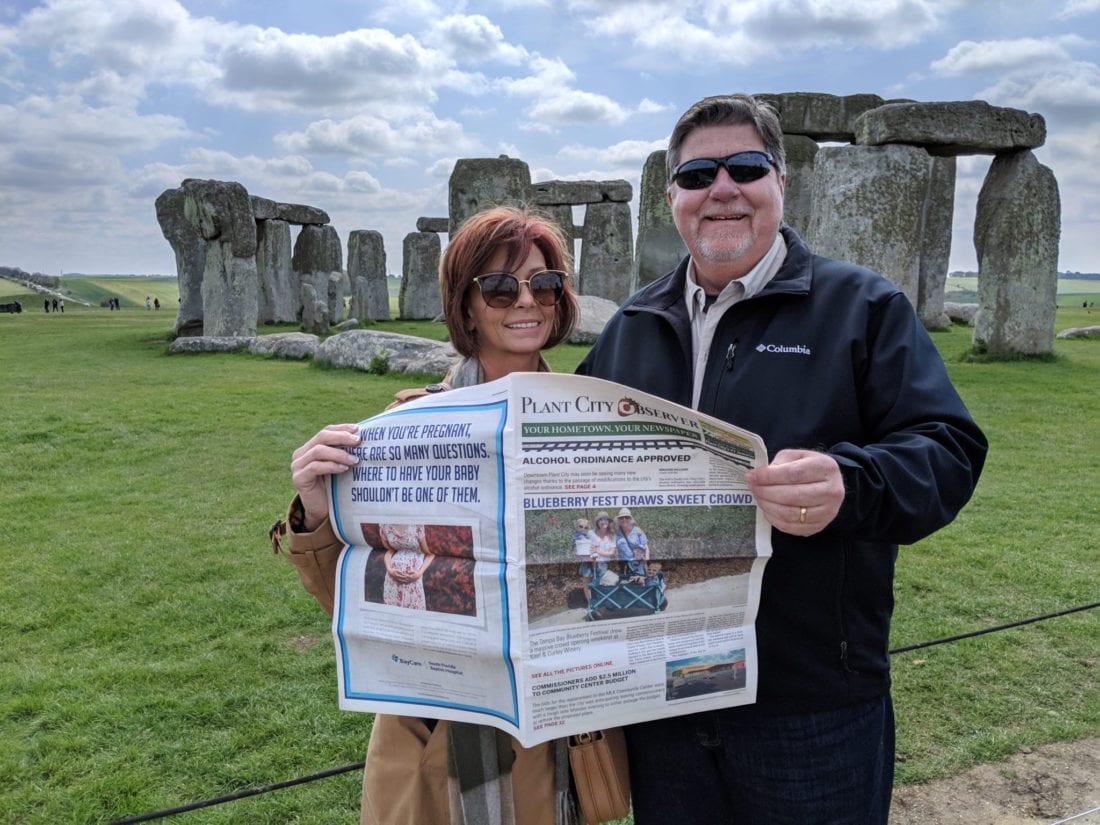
(361, 108)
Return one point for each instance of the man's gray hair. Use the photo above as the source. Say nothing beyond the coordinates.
(728, 110)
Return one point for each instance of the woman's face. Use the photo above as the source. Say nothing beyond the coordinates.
(507, 337)
(603, 525)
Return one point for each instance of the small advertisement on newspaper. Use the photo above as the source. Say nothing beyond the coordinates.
(547, 554)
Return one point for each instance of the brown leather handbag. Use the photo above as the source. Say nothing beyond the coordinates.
(601, 778)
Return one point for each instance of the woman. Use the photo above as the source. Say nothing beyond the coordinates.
(506, 297)
(407, 558)
(604, 547)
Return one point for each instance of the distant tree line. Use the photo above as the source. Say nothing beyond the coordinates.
(1071, 276)
(14, 273)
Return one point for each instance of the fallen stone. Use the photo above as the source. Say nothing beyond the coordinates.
(1080, 332)
(595, 312)
(211, 343)
(370, 351)
(295, 346)
(960, 313)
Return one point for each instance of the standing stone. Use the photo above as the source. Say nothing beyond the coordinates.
(318, 250)
(419, 298)
(189, 247)
(798, 191)
(314, 311)
(479, 183)
(868, 204)
(370, 295)
(1016, 233)
(607, 243)
(562, 216)
(660, 247)
(337, 289)
(278, 283)
(230, 293)
(935, 256)
(222, 213)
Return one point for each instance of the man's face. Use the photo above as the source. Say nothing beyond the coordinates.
(728, 227)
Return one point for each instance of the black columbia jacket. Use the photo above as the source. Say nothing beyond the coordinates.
(828, 356)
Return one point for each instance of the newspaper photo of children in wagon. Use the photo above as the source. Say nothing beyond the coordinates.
(626, 562)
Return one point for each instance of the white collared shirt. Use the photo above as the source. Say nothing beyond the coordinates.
(704, 320)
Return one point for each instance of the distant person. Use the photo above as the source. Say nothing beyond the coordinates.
(46, 303)
(61, 303)
(148, 303)
(55, 305)
(156, 303)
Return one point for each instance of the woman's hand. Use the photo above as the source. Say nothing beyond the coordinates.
(321, 456)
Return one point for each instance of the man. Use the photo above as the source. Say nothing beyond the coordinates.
(869, 445)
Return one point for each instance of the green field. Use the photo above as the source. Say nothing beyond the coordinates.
(157, 653)
(1071, 291)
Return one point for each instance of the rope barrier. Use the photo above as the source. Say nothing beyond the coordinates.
(1076, 816)
(973, 633)
(262, 789)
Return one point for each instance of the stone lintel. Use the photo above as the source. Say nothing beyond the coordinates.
(822, 117)
(946, 129)
(433, 225)
(580, 192)
(299, 214)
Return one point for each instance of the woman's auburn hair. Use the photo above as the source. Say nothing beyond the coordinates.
(476, 242)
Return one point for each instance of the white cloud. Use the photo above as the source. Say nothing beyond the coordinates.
(717, 31)
(970, 57)
(1067, 95)
(631, 153)
(473, 38)
(1074, 8)
(371, 136)
(277, 70)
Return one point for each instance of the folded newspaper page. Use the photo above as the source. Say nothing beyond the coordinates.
(547, 554)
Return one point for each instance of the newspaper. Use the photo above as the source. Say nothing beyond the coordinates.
(475, 586)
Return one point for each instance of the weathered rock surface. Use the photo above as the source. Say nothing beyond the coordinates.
(578, 192)
(960, 313)
(868, 209)
(370, 295)
(296, 346)
(367, 350)
(478, 183)
(822, 117)
(418, 297)
(278, 281)
(594, 315)
(1016, 231)
(967, 127)
(659, 247)
(1080, 332)
(266, 210)
(607, 246)
(211, 343)
(189, 247)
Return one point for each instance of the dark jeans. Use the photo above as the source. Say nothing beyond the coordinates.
(834, 766)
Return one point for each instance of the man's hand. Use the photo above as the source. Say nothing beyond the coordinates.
(800, 492)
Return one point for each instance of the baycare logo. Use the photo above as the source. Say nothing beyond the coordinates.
(397, 660)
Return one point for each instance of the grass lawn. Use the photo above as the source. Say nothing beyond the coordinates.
(157, 653)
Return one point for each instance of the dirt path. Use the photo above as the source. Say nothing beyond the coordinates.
(1037, 787)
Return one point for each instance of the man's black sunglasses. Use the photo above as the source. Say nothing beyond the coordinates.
(743, 167)
(501, 289)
